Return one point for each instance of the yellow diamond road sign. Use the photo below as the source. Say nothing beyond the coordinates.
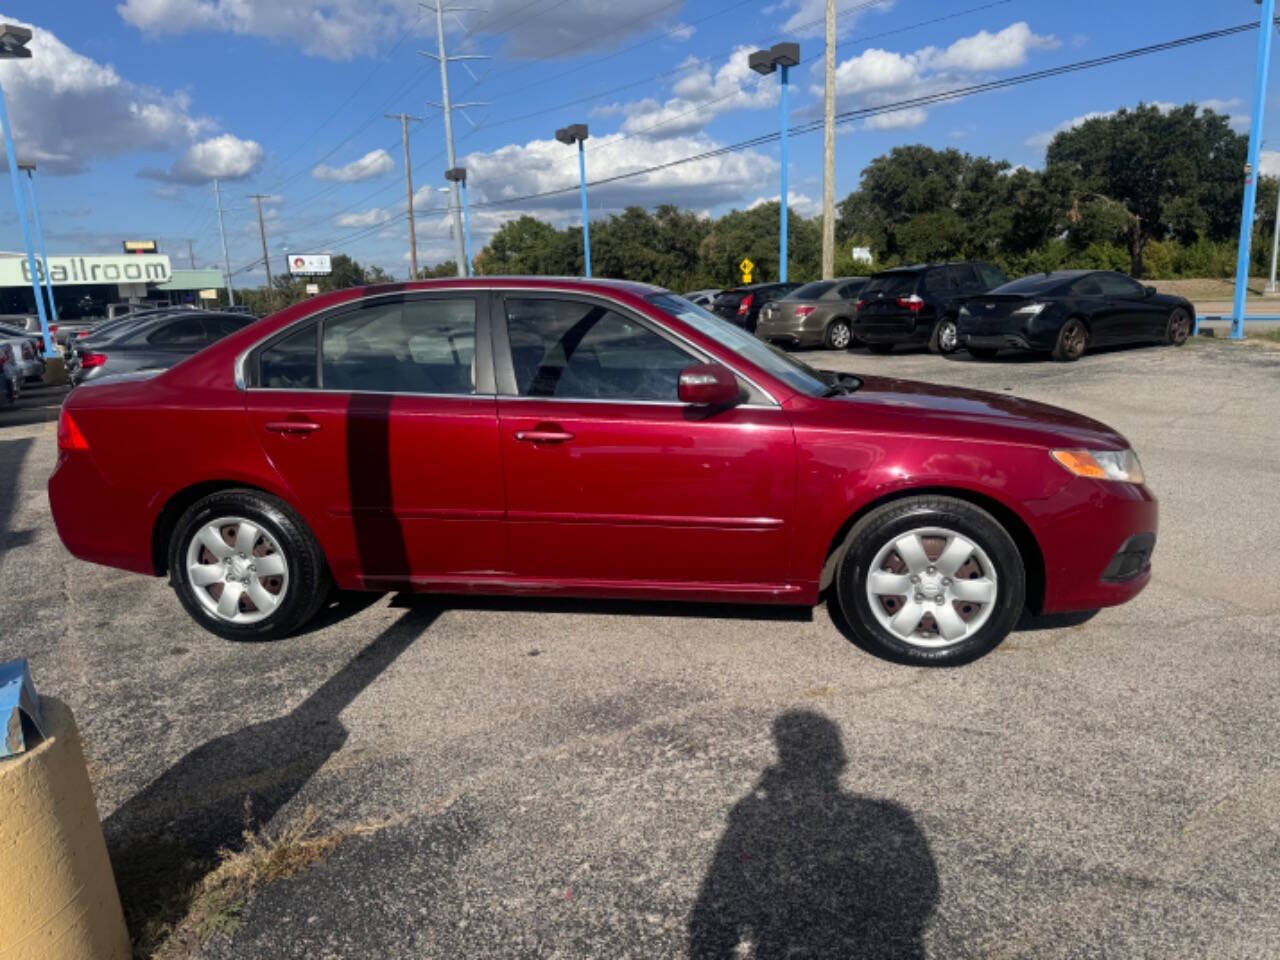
(746, 266)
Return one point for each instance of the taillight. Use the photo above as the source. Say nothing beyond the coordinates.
(912, 303)
(53, 330)
(82, 334)
(91, 359)
(745, 305)
(69, 435)
(860, 304)
(804, 311)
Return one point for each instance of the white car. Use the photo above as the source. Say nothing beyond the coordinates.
(10, 377)
(27, 361)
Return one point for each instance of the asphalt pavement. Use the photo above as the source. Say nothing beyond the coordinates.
(542, 778)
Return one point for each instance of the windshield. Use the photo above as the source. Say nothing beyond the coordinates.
(799, 376)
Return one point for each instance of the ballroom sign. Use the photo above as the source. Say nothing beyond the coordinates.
(72, 271)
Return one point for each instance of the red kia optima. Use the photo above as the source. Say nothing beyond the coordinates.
(589, 438)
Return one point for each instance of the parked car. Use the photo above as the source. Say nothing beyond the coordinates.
(156, 343)
(10, 377)
(703, 298)
(919, 304)
(741, 305)
(239, 308)
(818, 314)
(589, 438)
(1065, 312)
(25, 361)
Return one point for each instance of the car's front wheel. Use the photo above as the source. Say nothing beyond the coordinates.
(946, 336)
(246, 567)
(1072, 340)
(839, 335)
(930, 580)
(1178, 330)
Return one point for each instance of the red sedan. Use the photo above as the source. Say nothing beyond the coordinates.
(589, 438)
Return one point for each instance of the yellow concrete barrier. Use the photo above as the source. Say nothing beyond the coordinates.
(58, 896)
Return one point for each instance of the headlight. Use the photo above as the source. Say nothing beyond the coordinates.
(1029, 310)
(1120, 465)
(964, 312)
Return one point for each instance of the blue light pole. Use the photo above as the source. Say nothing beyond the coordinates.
(459, 175)
(577, 133)
(764, 62)
(1251, 172)
(30, 170)
(13, 46)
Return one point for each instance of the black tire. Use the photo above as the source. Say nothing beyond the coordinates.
(983, 353)
(1073, 340)
(879, 528)
(881, 348)
(945, 337)
(839, 335)
(1178, 330)
(305, 586)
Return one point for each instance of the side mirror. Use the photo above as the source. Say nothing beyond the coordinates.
(1148, 291)
(708, 384)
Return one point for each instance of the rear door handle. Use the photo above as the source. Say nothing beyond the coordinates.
(293, 426)
(544, 436)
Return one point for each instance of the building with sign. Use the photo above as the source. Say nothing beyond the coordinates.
(83, 284)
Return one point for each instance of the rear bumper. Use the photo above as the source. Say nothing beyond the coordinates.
(97, 521)
(793, 333)
(892, 329)
(1096, 538)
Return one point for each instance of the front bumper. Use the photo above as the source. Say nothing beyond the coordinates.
(1096, 538)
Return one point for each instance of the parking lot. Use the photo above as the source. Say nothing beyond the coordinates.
(565, 778)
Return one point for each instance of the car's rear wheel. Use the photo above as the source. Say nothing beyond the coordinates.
(945, 337)
(880, 347)
(839, 334)
(930, 580)
(1073, 339)
(1179, 328)
(983, 353)
(246, 567)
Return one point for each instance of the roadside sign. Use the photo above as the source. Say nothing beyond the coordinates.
(860, 254)
(313, 289)
(140, 246)
(310, 264)
(208, 294)
(746, 266)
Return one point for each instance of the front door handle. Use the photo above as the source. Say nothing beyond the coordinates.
(544, 435)
(293, 426)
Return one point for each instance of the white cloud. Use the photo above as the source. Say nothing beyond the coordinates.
(681, 32)
(877, 78)
(993, 51)
(367, 218)
(343, 29)
(1269, 163)
(373, 164)
(225, 157)
(808, 17)
(68, 110)
(700, 96)
(799, 203)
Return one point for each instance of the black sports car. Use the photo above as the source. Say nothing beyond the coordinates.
(1065, 312)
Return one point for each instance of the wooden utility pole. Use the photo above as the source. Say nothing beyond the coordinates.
(404, 119)
(191, 252)
(829, 152)
(266, 257)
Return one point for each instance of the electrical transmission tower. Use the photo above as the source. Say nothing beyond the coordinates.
(447, 108)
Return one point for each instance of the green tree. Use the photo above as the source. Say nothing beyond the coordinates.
(753, 233)
(1177, 173)
(531, 246)
(661, 248)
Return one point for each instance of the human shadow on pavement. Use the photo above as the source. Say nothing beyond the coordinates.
(807, 870)
(164, 838)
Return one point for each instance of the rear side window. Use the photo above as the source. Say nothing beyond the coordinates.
(890, 285)
(811, 291)
(582, 350)
(1087, 287)
(188, 331)
(1115, 285)
(290, 364)
(409, 346)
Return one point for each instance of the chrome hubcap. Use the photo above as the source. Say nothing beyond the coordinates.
(840, 335)
(932, 587)
(947, 337)
(237, 570)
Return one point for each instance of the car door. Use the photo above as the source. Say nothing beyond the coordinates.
(610, 479)
(1130, 310)
(1105, 314)
(380, 418)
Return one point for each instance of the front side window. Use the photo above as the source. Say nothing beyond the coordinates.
(408, 346)
(576, 349)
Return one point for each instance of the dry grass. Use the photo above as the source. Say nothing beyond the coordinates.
(173, 923)
(1207, 289)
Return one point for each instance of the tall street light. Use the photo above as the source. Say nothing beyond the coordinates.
(577, 133)
(458, 175)
(30, 170)
(764, 62)
(13, 46)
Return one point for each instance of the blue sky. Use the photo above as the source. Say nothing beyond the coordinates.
(130, 108)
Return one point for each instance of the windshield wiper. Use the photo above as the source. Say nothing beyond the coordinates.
(839, 384)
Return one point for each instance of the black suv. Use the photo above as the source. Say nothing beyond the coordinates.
(919, 304)
(741, 305)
